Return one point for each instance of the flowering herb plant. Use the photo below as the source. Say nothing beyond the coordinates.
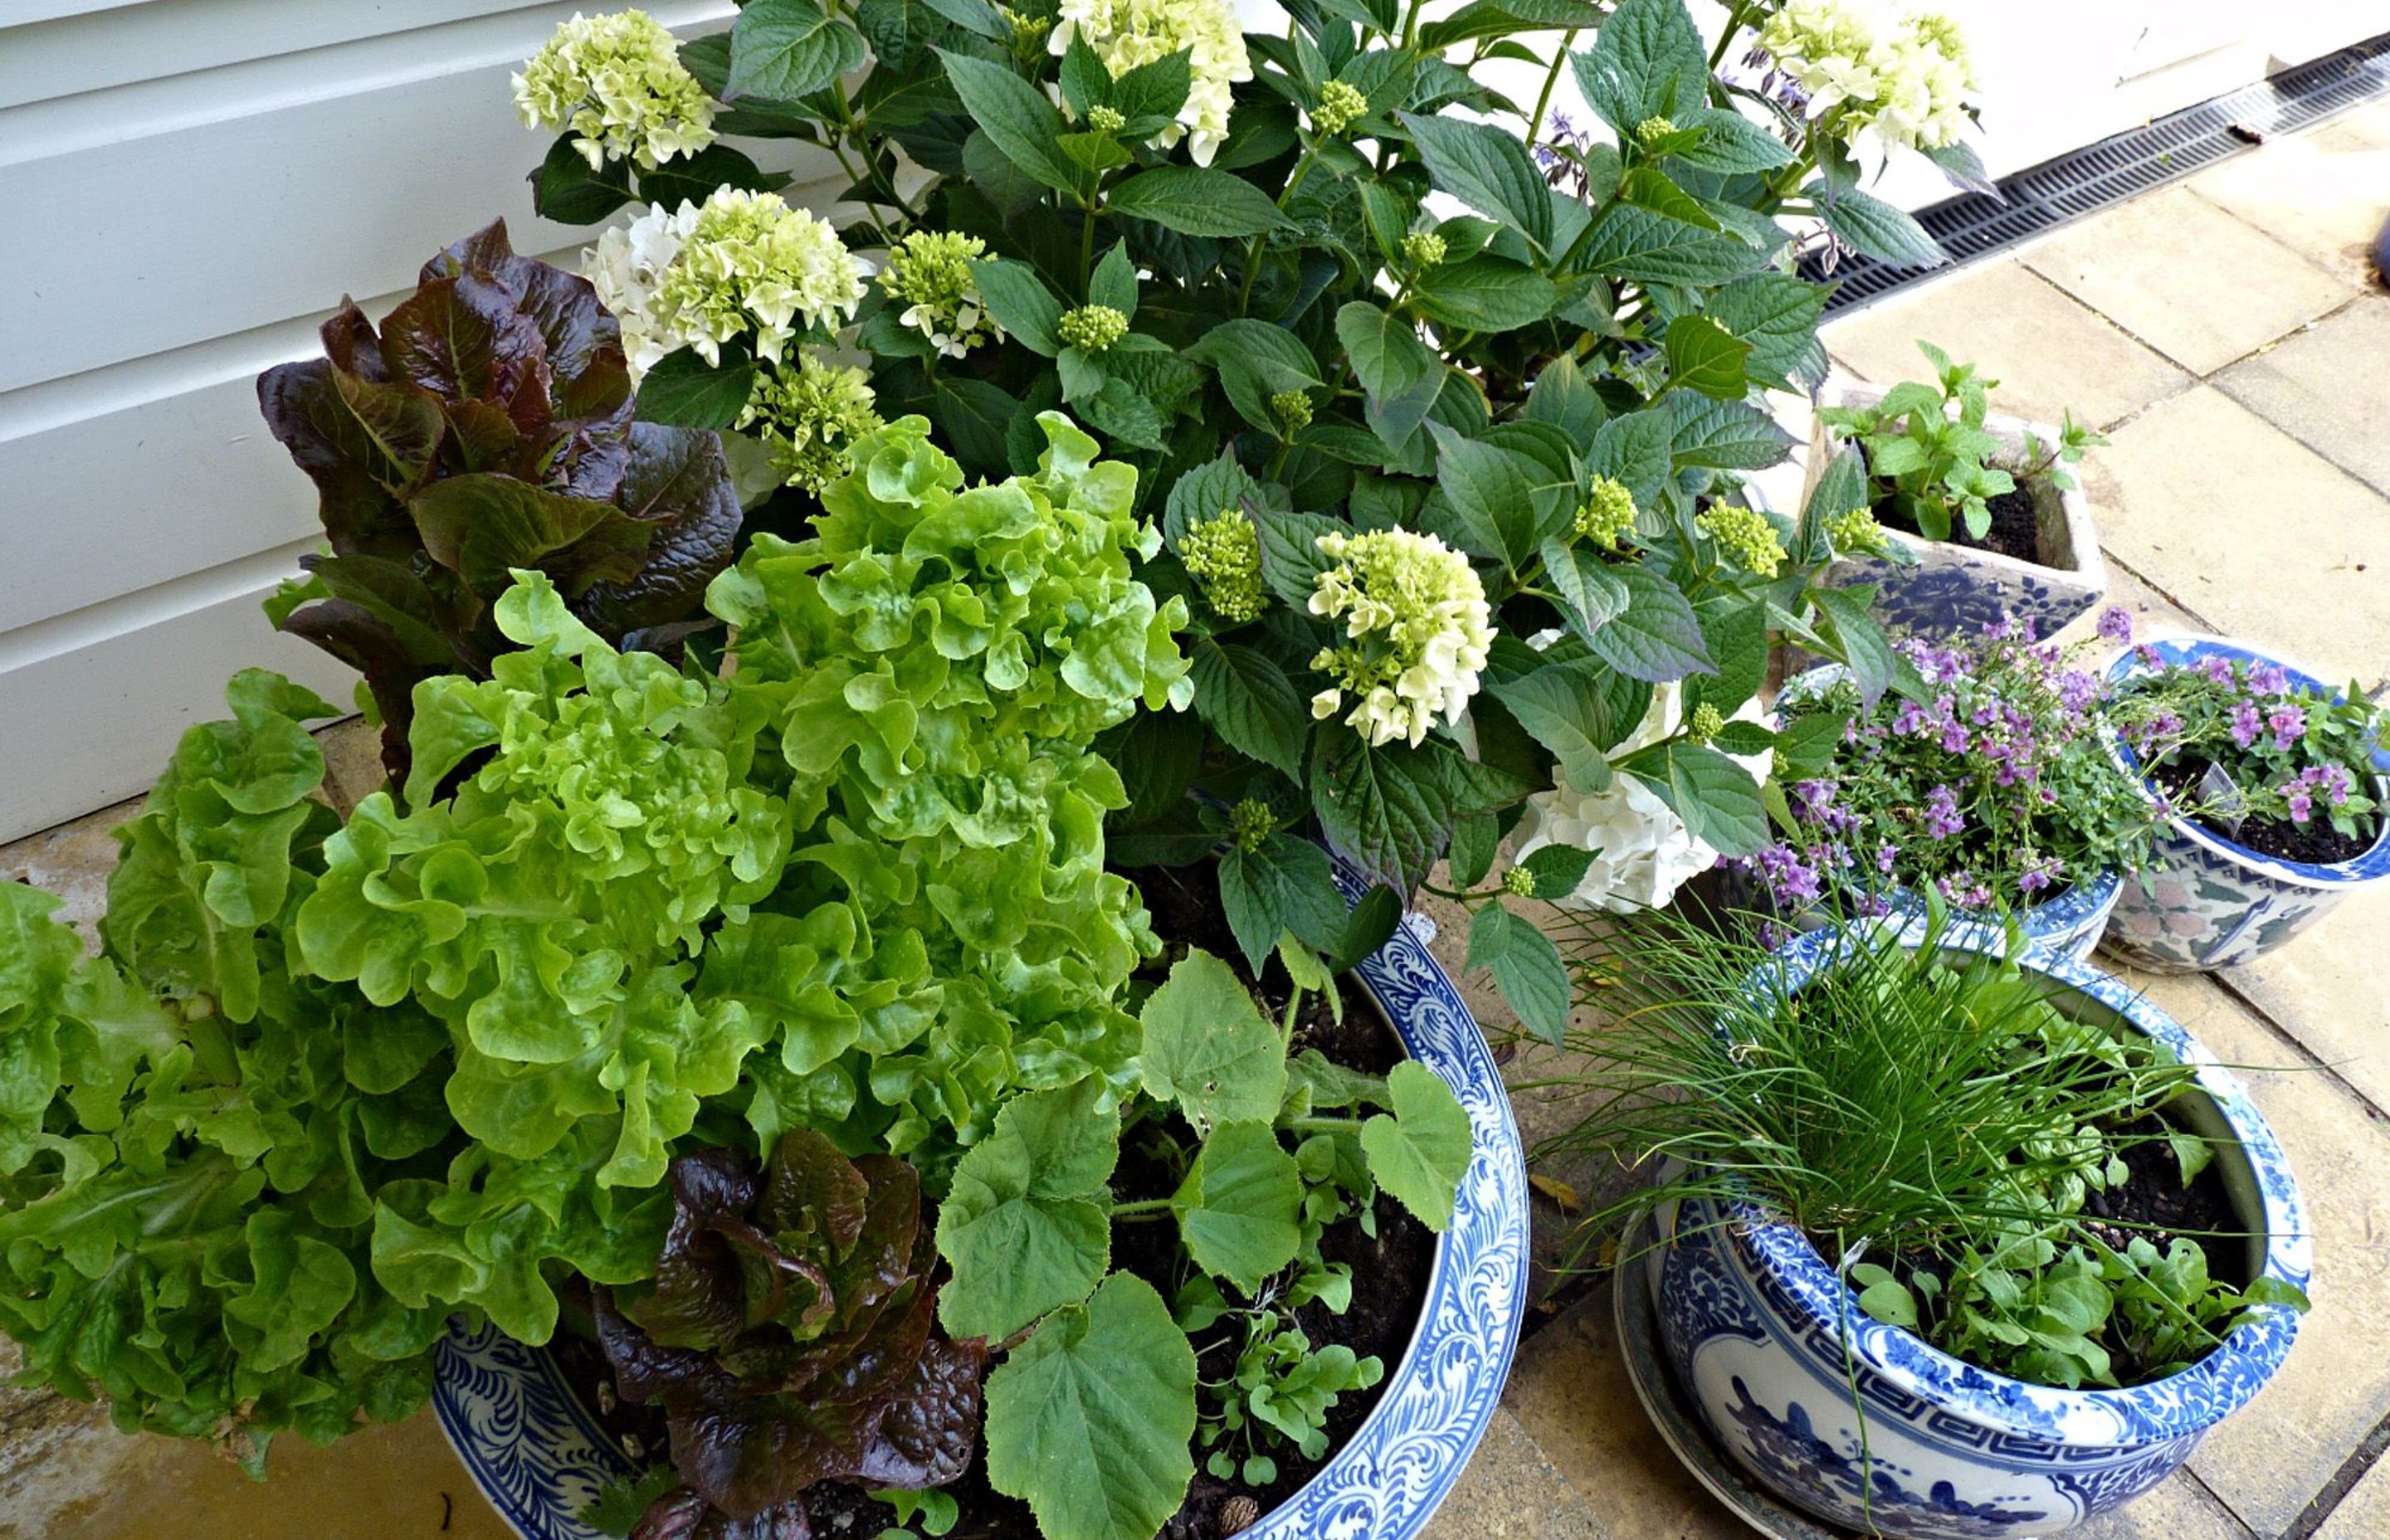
(1993, 791)
(2287, 755)
(1383, 442)
(1930, 457)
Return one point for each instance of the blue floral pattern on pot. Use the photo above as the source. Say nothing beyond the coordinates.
(535, 1453)
(1754, 1323)
(2205, 903)
(1951, 590)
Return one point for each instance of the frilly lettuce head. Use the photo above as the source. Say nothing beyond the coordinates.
(933, 667)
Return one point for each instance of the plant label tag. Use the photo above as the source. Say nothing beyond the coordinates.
(2222, 799)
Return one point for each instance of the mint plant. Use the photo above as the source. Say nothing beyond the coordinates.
(1930, 459)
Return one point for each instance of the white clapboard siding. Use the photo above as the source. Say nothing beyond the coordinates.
(191, 185)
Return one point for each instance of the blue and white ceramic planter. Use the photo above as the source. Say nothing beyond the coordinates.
(2204, 902)
(536, 1455)
(1952, 590)
(1754, 1321)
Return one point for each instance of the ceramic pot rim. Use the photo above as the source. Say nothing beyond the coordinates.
(2371, 864)
(2178, 1405)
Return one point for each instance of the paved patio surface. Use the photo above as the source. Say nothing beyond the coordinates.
(2225, 334)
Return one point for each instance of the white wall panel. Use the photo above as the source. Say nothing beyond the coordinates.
(191, 185)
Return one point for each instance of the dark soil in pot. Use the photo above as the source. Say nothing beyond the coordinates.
(2014, 531)
(2315, 842)
(1390, 1278)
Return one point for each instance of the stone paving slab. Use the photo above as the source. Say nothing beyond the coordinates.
(2244, 525)
(2268, 1461)
(1511, 1491)
(2049, 353)
(2364, 1514)
(2198, 285)
(2327, 385)
(2324, 195)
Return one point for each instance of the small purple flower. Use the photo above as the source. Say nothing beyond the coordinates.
(2333, 781)
(2038, 875)
(2217, 670)
(1815, 796)
(2290, 724)
(2115, 626)
(2076, 690)
(2150, 655)
(2302, 804)
(2246, 726)
(1941, 817)
(1962, 888)
(2268, 679)
(1884, 857)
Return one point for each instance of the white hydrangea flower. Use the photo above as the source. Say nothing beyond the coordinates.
(753, 266)
(1643, 852)
(616, 83)
(1125, 33)
(1904, 78)
(626, 267)
(1418, 628)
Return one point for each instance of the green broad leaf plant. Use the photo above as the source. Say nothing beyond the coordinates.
(1366, 329)
(779, 1003)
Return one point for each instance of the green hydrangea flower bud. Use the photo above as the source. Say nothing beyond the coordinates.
(1854, 530)
(1092, 328)
(1106, 120)
(1654, 128)
(1520, 882)
(1744, 532)
(1222, 553)
(1423, 248)
(1607, 516)
(1293, 408)
(1252, 823)
(1707, 722)
(1340, 105)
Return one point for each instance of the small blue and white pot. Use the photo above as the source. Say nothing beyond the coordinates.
(534, 1450)
(1754, 1322)
(2204, 902)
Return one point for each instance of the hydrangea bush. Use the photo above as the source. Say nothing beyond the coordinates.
(1409, 372)
(1994, 790)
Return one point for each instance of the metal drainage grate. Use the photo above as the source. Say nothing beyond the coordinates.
(2084, 181)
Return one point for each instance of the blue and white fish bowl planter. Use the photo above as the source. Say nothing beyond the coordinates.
(1753, 1322)
(2069, 923)
(2204, 902)
(536, 1453)
(1953, 590)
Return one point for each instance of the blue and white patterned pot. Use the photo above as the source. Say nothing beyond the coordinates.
(536, 1454)
(2204, 902)
(1952, 590)
(2069, 923)
(1754, 1321)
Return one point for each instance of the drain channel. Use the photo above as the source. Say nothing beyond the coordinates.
(2084, 181)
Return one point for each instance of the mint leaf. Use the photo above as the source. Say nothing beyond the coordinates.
(1091, 1421)
(1420, 1151)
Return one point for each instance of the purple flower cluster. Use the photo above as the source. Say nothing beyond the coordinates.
(2333, 781)
(1942, 816)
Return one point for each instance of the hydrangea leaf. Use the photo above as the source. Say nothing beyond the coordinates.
(1090, 1420)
